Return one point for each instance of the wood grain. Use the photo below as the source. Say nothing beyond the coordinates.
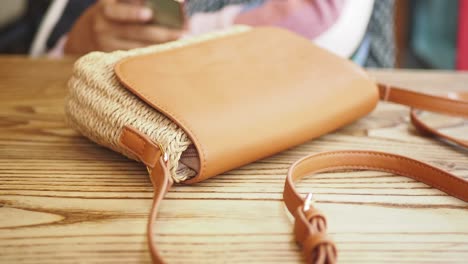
(64, 199)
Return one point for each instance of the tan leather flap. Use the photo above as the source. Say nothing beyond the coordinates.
(247, 96)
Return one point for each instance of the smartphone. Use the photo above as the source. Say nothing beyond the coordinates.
(168, 13)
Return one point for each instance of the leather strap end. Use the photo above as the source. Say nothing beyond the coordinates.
(140, 145)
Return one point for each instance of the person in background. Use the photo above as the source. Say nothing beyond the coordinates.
(78, 27)
(112, 24)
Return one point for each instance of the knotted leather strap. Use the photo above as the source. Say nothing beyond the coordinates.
(310, 224)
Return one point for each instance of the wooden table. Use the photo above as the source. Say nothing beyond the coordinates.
(64, 199)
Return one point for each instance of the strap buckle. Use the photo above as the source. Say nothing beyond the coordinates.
(308, 202)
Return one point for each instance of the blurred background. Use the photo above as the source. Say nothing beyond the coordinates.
(428, 34)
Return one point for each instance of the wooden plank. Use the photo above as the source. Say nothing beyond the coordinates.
(64, 199)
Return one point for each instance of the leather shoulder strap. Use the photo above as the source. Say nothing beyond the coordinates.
(162, 182)
(455, 104)
(310, 224)
(155, 159)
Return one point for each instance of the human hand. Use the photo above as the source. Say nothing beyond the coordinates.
(110, 25)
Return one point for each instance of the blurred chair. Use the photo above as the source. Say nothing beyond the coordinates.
(430, 33)
(381, 36)
(14, 29)
(18, 34)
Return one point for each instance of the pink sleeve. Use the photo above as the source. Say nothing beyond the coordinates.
(309, 18)
(57, 51)
(206, 22)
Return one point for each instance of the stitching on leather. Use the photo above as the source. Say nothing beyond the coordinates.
(437, 186)
(435, 97)
(394, 171)
(401, 173)
(442, 105)
(440, 99)
(181, 120)
(397, 158)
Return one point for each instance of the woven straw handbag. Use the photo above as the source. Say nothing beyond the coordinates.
(98, 106)
(195, 108)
